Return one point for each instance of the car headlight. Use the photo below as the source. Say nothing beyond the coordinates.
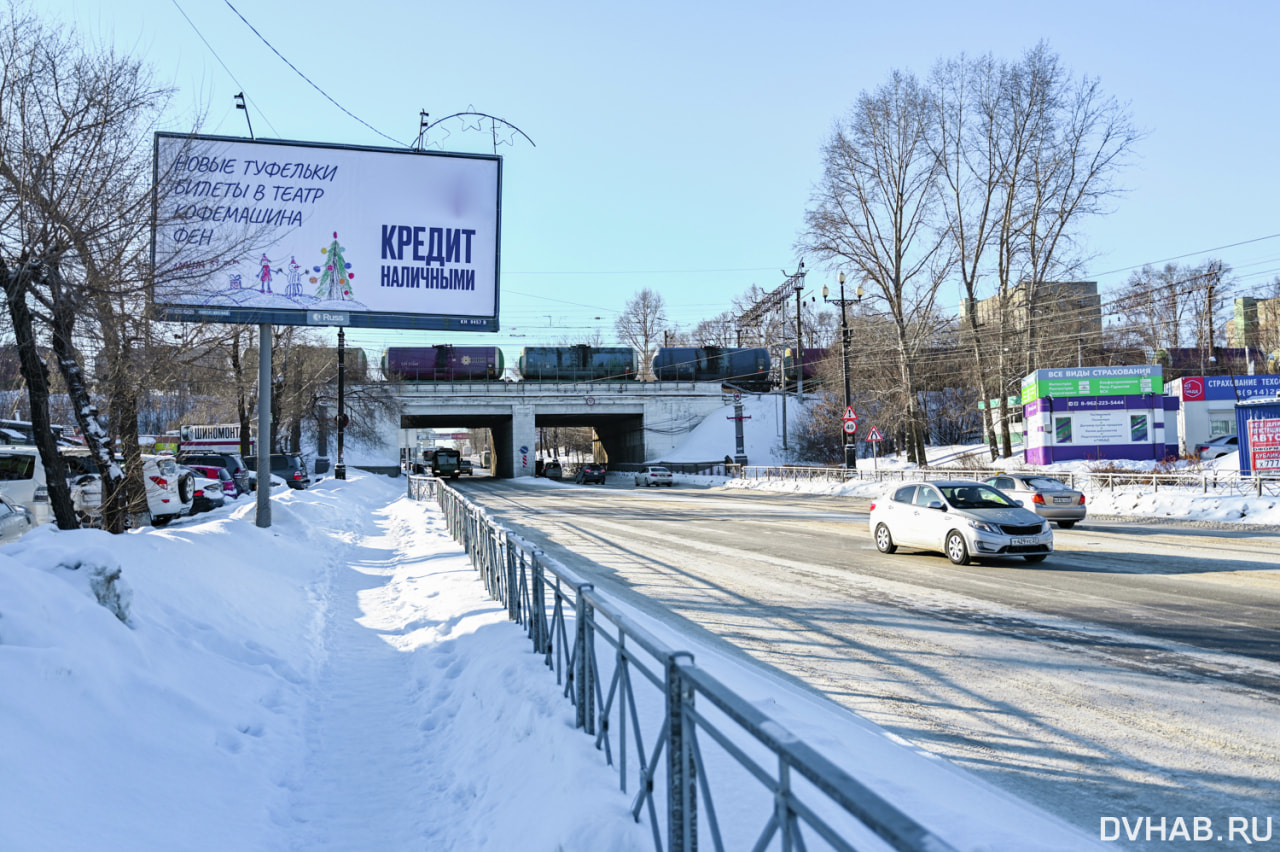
(984, 526)
(1044, 528)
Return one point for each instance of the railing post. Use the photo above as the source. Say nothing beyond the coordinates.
(538, 608)
(513, 580)
(682, 804)
(582, 668)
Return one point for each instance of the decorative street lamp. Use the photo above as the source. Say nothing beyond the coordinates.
(850, 449)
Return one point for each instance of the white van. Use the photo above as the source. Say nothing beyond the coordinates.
(22, 481)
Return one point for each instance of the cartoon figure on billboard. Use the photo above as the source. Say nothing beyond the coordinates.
(264, 277)
(294, 287)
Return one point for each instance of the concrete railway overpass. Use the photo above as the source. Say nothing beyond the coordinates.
(635, 421)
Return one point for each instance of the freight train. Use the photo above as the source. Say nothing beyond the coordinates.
(745, 368)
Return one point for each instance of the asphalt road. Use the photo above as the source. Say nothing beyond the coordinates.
(1136, 671)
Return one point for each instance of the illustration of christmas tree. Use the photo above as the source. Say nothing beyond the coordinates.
(335, 282)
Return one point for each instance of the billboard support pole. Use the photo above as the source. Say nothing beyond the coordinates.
(264, 426)
(340, 469)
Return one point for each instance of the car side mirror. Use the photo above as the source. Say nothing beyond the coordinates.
(1018, 503)
(934, 504)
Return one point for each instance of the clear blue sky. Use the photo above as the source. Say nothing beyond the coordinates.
(676, 143)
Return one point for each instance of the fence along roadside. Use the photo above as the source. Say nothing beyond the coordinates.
(1227, 482)
(698, 728)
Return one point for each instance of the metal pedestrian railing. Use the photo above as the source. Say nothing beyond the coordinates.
(680, 739)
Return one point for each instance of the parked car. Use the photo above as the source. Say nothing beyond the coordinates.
(288, 466)
(590, 472)
(654, 474)
(15, 520)
(466, 467)
(1216, 447)
(208, 494)
(962, 518)
(552, 470)
(22, 480)
(233, 462)
(223, 477)
(170, 492)
(1048, 497)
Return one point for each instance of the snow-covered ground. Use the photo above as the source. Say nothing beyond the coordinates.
(763, 441)
(342, 681)
(339, 681)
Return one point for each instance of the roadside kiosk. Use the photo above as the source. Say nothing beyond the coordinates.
(1207, 404)
(1097, 413)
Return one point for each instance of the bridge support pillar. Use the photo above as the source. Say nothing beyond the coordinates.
(517, 445)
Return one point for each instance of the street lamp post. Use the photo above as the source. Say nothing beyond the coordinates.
(850, 448)
(340, 469)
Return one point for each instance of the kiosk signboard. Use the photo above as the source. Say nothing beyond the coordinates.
(1093, 381)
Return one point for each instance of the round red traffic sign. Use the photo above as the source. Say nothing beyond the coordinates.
(850, 427)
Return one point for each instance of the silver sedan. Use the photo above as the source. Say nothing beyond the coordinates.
(962, 518)
(15, 520)
(1048, 497)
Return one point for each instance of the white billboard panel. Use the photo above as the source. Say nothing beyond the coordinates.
(293, 233)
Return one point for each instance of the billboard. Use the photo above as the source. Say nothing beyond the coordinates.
(296, 233)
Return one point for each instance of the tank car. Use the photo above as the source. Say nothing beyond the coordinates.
(577, 363)
(747, 368)
(809, 361)
(442, 363)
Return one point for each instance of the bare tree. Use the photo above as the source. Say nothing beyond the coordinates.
(1085, 140)
(1162, 311)
(641, 325)
(717, 331)
(74, 203)
(1152, 308)
(1025, 153)
(876, 210)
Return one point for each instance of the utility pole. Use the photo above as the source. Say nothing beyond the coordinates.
(850, 449)
(799, 350)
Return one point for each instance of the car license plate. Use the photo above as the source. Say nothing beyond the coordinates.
(1062, 499)
(1024, 540)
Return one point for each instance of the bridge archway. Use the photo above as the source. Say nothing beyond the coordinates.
(634, 421)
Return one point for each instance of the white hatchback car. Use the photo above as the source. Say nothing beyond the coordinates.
(170, 492)
(962, 518)
(654, 474)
